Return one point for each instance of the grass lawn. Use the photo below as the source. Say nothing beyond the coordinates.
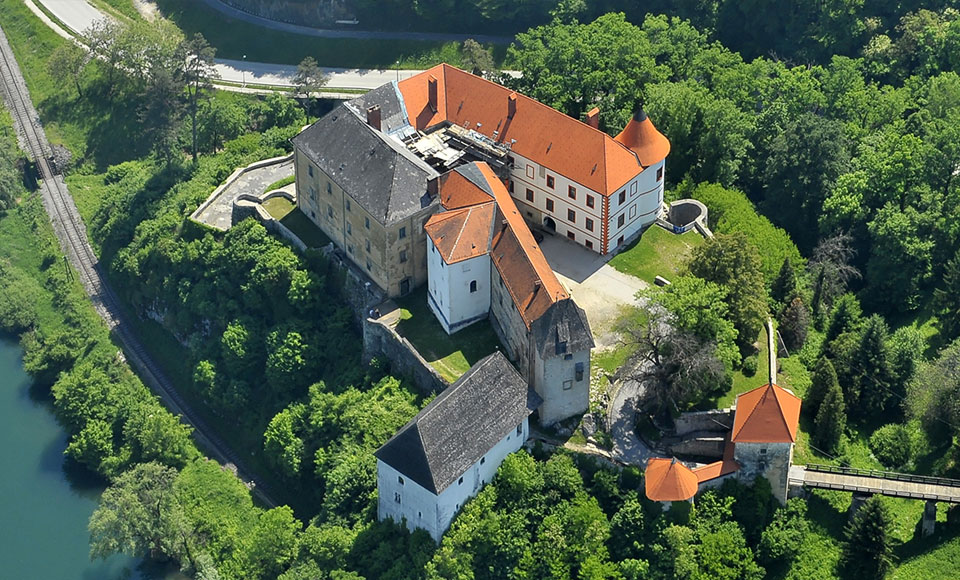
(233, 39)
(278, 207)
(280, 183)
(657, 253)
(450, 355)
(301, 225)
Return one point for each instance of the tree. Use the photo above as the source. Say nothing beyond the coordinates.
(700, 307)
(68, 61)
(733, 262)
(947, 299)
(933, 396)
(831, 421)
(308, 80)
(901, 261)
(676, 367)
(162, 113)
(476, 58)
(831, 270)
(824, 379)
(220, 121)
(784, 286)
(867, 551)
(198, 71)
(139, 515)
(794, 323)
(870, 368)
(781, 539)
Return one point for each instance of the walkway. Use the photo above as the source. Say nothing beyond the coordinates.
(349, 33)
(218, 212)
(876, 482)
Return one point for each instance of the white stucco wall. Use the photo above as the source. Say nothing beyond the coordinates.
(433, 513)
(552, 376)
(642, 204)
(448, 285)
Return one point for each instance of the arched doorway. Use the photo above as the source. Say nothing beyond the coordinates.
(550, 224)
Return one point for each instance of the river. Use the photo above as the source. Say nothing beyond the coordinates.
(45, 502)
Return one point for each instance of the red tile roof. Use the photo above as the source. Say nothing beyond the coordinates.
(725, 466)
(457, 191)
(669, 480)
(768, 414)
(643, 139)
(546, 136)
(462, 233)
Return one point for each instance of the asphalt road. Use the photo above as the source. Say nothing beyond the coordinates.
(78, 16)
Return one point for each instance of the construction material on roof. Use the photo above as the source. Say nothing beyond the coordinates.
(767, 414)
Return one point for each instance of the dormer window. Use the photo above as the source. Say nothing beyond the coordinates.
(561, 347)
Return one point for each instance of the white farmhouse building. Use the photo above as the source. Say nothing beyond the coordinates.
(444, 455)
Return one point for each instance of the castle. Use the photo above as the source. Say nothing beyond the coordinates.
(436, 180)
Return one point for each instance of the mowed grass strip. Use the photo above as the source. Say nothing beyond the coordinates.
(451, 355)
(657, 253)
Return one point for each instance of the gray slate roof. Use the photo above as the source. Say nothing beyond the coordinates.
(393, 112)
(380, 173)
(461, 425)
(565, 322)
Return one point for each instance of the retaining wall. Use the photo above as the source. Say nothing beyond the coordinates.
(717, 420)
(195, 216)
(381, 341)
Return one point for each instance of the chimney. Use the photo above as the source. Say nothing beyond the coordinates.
(373, 117)
(432, 94)
(511, 105)
(593, 118)
(433, 187)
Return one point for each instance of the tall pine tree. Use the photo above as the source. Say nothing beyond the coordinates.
(868, 546)
(871, 367)
(785, 284)
(824, 377)
(831, 421)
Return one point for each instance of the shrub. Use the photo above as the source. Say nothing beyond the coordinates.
(750, 364)
(895, 445)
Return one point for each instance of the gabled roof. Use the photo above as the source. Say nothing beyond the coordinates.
(463, 233)
(461, 425)
(643, 139)
(393, 115)
(725, 466)
(464, 186)
(669, 480)
(384, 177)
(768, 414)
(538, 132)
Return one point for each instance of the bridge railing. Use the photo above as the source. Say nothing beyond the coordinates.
(878, 474)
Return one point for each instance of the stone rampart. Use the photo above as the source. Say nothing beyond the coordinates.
(717, 420)
(381, 341)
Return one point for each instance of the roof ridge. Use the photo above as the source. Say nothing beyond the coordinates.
(463, 226)
(776, 395)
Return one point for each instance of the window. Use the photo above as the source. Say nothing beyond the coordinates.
(329, 188)
(568, 356)
(403, 233)
(399, 480)
(589, 244)
(572, 236)
(368, 245)
(403, 256)
(571, 192)
(348, 205)
(619, 240)
(329, 211)
(460, 482)
(529, 214)
(550, 181)
(520, 429)
(483, 460)
(529, 194)
(473, 285)
(578, 371)
(549, 205)
(530, 171)
(567, 385)
(396, 496)
(633, 189)
(589, 200)
(571, 216)
(589, 224)
(633, 211)
(621, 220)
(366, 222)
(763, 451)
(623, 196)
(310, 170)
(349, 229)
(510, 186)
(659, 174)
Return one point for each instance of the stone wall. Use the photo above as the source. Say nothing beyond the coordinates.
(770, 460)
(717, 420)
(381, 341)
(711, 447)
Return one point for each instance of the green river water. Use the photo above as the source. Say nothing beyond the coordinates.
(44, 502)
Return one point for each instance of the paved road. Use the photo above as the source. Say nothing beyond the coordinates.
(78, 15)
(345, 33)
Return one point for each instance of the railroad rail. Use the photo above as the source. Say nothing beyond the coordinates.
(72, 235)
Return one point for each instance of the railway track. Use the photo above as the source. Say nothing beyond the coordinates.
(72, 235)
